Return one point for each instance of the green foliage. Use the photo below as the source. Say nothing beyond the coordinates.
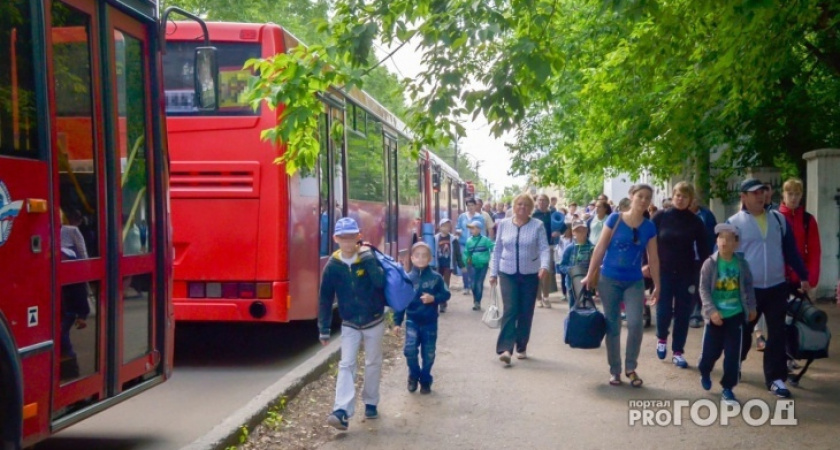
(594, 87)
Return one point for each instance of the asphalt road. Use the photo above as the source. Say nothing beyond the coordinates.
(218, 368)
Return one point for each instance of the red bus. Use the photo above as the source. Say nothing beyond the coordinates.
(250, 241)
(85, 261)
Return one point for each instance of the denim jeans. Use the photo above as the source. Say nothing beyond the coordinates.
(675, 298)
(345, 386)
(519, 296)
(632, 293)
(478, 275)
(420, 340)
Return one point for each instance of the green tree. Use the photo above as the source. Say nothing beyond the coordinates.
(594, 87)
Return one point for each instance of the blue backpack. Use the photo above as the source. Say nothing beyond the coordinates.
(399, 290)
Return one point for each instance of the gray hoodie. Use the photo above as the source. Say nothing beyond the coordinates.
(708, 279)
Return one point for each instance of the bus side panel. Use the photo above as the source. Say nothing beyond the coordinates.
(37, 384)
(304, 256)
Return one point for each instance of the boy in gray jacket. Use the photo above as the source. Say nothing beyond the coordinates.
(726, 291)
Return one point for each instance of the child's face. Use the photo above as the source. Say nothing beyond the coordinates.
(446, 228)
(726, 242)
(420, 257)
(580, 234)
(475, 231)
(347, 242)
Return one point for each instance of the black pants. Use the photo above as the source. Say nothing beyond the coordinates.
(519, 296)
(725, 338)
(772, 302)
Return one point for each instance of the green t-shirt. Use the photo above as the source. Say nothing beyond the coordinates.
(727, 291)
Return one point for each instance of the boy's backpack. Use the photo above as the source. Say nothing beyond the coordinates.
(399, 291)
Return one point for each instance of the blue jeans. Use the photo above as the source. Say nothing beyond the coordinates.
(478, 275)
(632, 293)
(420, 340)
(674, 303)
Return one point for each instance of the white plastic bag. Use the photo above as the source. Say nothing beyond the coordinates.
(493, 316)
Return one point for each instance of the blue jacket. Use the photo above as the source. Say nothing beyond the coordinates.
(359, 289)
(426, 281)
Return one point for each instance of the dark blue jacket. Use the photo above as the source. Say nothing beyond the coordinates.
(426, 281)
(359, 289)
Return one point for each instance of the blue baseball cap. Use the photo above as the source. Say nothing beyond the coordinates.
(346, 225)
(476, 224)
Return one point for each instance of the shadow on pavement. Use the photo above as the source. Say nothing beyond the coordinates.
(233, 344)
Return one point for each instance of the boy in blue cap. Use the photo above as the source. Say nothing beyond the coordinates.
(354, 276)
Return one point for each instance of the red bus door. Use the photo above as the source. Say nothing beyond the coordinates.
(102, 201)
(137, 352)
(78, 207)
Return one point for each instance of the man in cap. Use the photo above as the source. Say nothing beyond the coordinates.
(767, 243)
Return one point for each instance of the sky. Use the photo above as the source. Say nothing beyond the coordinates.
(479, 144)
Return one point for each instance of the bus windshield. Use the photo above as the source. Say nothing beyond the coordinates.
(179, 82)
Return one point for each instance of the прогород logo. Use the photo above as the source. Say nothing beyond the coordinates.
(705, 412)
(8, 211)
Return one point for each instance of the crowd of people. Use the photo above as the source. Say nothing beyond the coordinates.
(700, 273)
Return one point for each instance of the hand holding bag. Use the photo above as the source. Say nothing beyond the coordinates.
(493, 316)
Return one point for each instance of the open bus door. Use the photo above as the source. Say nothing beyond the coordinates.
(105, 267)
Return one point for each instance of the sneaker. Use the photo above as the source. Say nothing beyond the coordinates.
(521, 355)
(695, 322)
(760, 343)
(679, 361)
(442, 308)
(624, 319)
(728, 397)
(547, 302)
(425, 388)
(661, 349)
(338, 420)
(706, 381)
(476, 306)
(779, 389)
(793, 366)
(412, 384)
(370, 412)
(505, 358)
(467, 292)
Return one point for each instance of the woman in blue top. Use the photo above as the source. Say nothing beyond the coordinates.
(625, 237)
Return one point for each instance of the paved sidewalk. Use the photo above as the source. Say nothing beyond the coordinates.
(559, 397)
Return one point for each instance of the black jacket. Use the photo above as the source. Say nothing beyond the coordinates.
(359, 289)
(426, 281)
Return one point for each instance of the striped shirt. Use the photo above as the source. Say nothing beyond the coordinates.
(521, 250)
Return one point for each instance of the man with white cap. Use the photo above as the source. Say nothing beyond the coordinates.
(768, 244)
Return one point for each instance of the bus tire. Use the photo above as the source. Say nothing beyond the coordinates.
(11, 395)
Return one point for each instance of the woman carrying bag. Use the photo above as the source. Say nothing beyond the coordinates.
(618, 261)
(520, 259)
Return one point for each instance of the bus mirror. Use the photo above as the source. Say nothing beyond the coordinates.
(206, 78)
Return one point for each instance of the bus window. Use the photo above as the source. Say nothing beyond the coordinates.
(77, 158)
(134, 177)
(337, 142)
(79, 331)
(324, 187)
(179, 78)
(18, 123)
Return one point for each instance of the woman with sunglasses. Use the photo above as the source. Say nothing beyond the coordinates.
(617, 261)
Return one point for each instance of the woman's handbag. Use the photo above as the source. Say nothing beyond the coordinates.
(493, 316)
(585, 324)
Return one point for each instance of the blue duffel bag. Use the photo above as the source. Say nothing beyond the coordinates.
(585, 325)
(399, 290)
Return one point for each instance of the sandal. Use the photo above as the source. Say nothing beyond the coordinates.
(547, 303)
(615, 380)
(635, 381)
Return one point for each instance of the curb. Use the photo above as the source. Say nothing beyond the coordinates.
(255, 411)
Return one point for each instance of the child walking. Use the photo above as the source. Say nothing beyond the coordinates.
(445, 255)
(354, 276)
(422, 318)
(577, 254)
(726, 290)
(477, 255)
(565, 241)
